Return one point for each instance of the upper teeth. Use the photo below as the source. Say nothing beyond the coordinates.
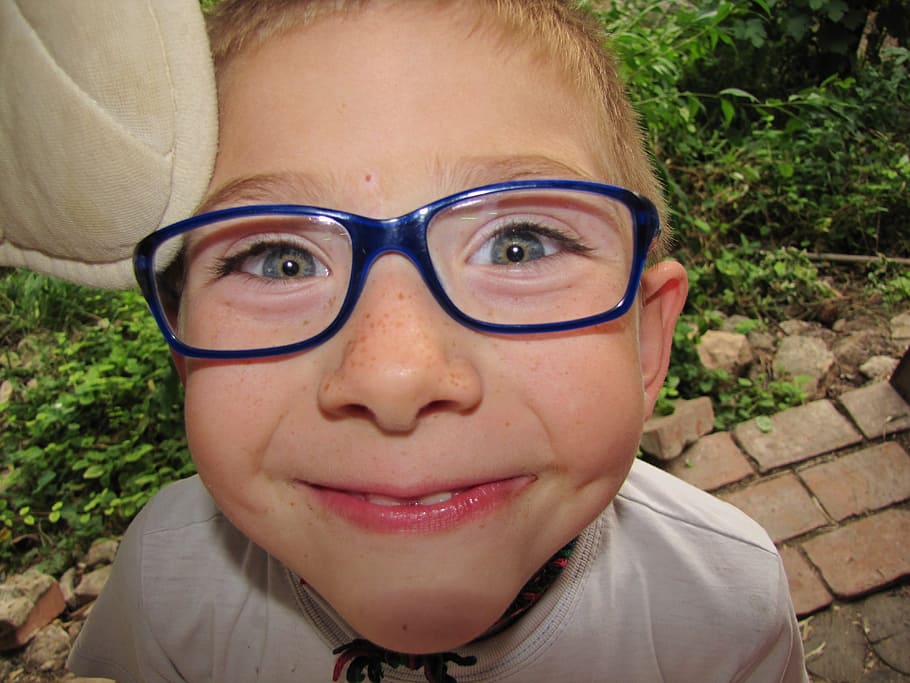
(431, 499)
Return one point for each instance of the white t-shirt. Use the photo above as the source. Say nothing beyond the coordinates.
(668, 584)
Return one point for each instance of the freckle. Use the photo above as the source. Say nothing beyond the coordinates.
(368, 177)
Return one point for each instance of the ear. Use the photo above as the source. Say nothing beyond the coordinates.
(180, 365)
(663, 293)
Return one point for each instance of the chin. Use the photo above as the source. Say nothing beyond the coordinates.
(433, 624)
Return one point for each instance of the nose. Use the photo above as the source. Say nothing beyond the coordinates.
(399, 355)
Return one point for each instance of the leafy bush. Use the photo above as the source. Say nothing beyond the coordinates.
(764, 284)
(812, 172)
(93, 425)
(825, 166)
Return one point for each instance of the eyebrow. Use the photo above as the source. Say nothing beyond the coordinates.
(484, 170)
(265, 188)
(297, 187)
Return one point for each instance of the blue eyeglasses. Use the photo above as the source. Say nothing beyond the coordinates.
(521, 257)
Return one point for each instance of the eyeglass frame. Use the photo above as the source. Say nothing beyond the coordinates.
(372, 238)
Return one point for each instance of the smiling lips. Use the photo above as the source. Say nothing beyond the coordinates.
(431, 513)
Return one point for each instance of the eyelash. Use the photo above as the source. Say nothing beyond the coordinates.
(518, 226)
(229, 265)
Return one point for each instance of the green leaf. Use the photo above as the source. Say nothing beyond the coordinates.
(753, 30)
(94, 472)
(835, 9)
(728, 112)
(46, 478)
(763, 422)
(738, 92)
(796, 26)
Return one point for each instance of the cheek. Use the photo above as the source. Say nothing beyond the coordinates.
(231, 413)
(589, 397)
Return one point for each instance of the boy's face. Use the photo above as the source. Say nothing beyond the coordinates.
(415, 472)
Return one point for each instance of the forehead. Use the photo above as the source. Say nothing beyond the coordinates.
(394, 95)
(240, 26)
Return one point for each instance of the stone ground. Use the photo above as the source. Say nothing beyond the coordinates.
(830, 483)
(828, 480)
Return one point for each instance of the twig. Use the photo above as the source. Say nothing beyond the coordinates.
(856, 258)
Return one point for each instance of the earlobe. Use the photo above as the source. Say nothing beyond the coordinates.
(663, 293)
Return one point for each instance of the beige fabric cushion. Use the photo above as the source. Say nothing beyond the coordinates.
(108, 130)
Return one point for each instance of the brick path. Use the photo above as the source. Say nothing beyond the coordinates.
(830, 482)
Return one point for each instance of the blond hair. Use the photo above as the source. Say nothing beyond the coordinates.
(568, 33)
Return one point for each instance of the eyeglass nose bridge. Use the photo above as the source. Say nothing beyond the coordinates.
(372, 239)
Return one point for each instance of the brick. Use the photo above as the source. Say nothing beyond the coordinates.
(865, 555)
(18, 595)
(45, 609)
(806, 589)
(877, 409)
(666, 436)
(796, 434)
(711, 462)
(780, 505)
(861, 482)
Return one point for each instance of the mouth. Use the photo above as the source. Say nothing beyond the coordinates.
(432, 512)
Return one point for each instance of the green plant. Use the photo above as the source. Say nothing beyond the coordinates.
(764, 284)
(657, 48)
(30, 302)
(93, 425)
(821, 164)
(889, 280)
(738, 399)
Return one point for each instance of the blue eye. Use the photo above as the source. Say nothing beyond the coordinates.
(286, 262)
(515, 246)
(524, 242)
(273, 261)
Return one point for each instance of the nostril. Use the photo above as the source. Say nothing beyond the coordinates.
(358, 411)
(443, 406)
